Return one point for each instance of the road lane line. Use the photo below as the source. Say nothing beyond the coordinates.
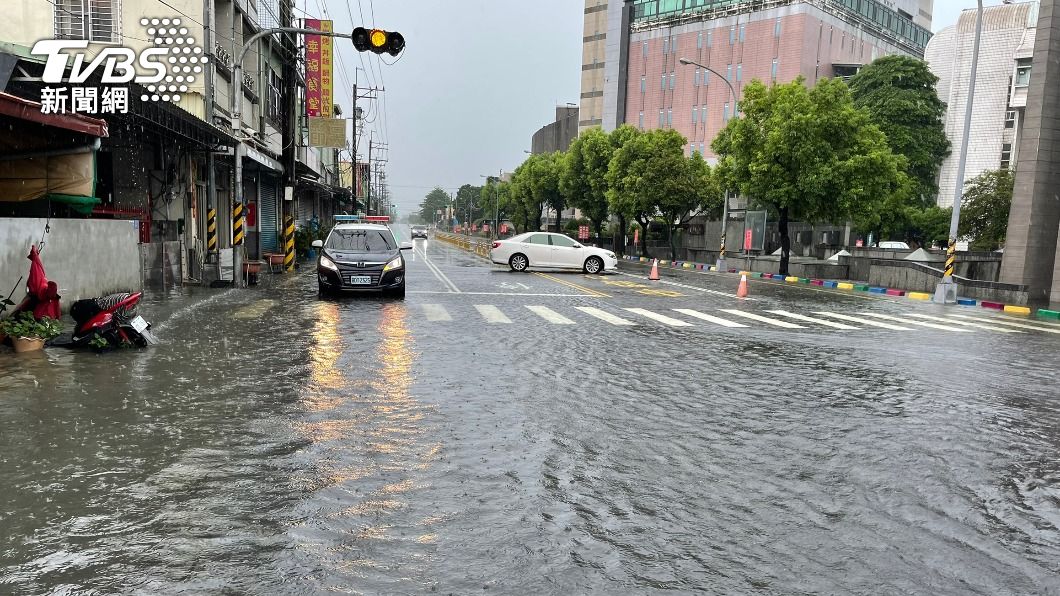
(660, 318)
(438, 273)
(1007, 324)
(436, 312)
(604, 315)
(569, 284)
(806, 319)
(709, 318)
(688, 287)
(522, 294)
(862, 321)
(492, 314)
(917, 323)
(754, 317)
(964, 323)
(549, 315)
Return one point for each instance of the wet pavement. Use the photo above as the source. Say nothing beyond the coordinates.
(548, 433)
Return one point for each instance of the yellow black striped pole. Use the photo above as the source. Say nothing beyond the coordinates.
(237, 224)
(288, 243)
(951, 258)
(211, 230)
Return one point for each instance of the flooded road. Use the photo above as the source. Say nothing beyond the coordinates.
(278, 443)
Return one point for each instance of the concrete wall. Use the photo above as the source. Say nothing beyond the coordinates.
(87, 258)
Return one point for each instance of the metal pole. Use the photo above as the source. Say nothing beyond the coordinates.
(237, 118)
(946, 292)
(497, 206)
(720, 265)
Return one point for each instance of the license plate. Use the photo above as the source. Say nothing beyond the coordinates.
(139, 324)
(361, 280)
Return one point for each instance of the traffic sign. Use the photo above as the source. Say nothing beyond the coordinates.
(583, 232)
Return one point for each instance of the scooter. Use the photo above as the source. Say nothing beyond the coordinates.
(112, 318)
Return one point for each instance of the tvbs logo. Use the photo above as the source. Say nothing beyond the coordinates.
(165, 70)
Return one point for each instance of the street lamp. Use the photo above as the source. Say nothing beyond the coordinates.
(725, 209)
(946, 291)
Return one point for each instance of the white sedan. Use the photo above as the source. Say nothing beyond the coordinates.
(543, 250)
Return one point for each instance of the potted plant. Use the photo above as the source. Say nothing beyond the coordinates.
(29, 334)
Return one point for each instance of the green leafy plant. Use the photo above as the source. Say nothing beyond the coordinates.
(24, 325)
(98, 342)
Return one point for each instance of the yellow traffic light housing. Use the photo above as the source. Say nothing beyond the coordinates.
(378, 41)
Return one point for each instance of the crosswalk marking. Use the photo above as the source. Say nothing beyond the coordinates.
(754, 317)
(918, 323)
(1007, 323)
(862, 321)
(964, 323)
(550, 315)
(436, 312)
(492, 314)
(709, 318)
(660, 318)
(604, 315)
(806, 319)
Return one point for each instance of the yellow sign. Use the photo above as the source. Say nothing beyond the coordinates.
(327, 132)
(327, 89)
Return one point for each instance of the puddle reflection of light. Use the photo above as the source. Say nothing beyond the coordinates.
(324, 353)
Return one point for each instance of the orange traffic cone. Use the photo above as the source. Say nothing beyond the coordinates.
(741, 292)
(654, 275)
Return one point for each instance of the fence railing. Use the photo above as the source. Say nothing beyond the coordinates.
(478, 246)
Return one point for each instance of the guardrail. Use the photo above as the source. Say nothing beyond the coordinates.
(477, 246)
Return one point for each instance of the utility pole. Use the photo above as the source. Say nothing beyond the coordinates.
(369, 94)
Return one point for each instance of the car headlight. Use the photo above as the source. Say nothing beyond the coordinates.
(397, 263)
(327, 263)
(611, 255)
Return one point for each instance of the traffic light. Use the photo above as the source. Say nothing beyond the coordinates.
(378, 41)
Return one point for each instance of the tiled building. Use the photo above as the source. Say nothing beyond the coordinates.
(743, 40)
(1002, 79)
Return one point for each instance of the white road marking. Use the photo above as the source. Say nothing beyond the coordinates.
(660, 318)
(492, 314)
(502, 294)
(549, 315)
(964, 323)
(709, 318)
(688, 287)
(1008, 324)
(439, 274)
(436, 312)
(806, 319)
(754, 317)
(604, 315)
(918, 323)
(862, 321)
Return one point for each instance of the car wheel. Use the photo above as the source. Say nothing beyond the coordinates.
(321, 290)
(594, 265)
(398, 294)
(518, 262)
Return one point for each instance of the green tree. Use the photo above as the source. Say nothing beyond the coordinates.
(435, 200)
(688, 191)
(985, 208)
(545, 172)
(584, 179)
(808, 154)
(519, 203)
(899, 94)
(467, 204)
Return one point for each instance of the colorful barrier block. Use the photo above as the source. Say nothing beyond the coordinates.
(1049, 314)
(713, 268)
(845, 286)
(966, 302)
(861, 287)
(831, 284)
(919, 296)
(896, 292)
(791, 279)
(686, 266)
(1012, 309)
(817, 282)
(877, 290)
(992, 305)
(756, 275)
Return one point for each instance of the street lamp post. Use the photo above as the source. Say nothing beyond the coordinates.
(720, 265)
(946, 291)
(496, 202)
(237, 126)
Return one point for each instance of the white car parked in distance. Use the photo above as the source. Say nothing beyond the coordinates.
(544, 250)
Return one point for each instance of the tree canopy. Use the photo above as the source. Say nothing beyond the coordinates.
(985, 209)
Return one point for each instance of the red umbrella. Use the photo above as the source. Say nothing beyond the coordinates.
(42, 294)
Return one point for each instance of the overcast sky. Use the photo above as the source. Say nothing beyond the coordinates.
(477, 79)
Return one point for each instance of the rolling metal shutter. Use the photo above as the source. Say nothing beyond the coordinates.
(269, 225)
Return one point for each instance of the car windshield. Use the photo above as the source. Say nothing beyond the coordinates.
(366, 241)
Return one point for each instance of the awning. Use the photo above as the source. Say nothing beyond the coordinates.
(23, 109)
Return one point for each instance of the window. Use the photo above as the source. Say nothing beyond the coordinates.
(732, 35)
(695, 114)
(706, 77)
(538, 239)
(728, 72)
(640, 121)
(743, 31)
(1006, 155)
(773, 69)
(644, 50)
(710, 38)
(776, 29)
(673, 78)
(662, 84)
(1023, 72)
(562, 241)
(695, 81)
(94, 20)
(644, 84)
(361, 241)
(699, 41)
(703, 114)
(666, 46)
(669, 117)
(662, 118)
(739, 72)
(725, 113)
(274, 99)
(1010, 118)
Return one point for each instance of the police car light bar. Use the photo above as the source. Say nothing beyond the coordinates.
(377, 218)
(347, 218)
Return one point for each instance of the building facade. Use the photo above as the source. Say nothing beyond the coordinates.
(741, 40)
(556, 136)
(1002, 79)
(1032, 253)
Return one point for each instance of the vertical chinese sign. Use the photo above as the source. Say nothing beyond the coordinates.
(319, 92)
